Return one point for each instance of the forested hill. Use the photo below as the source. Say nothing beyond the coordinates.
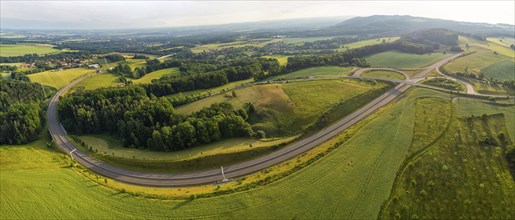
(395, 25)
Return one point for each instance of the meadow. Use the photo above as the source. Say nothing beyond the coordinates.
(369, 42)
(395, 59)
(10, 50)
(59, 79)
(446, 84)
(283, 59)
(383, 74)
(487, 88)
(350, 182)
(318, 72)
(501, 71)
(463, 175)
(146, 79)
(222, 89)
(102, 80)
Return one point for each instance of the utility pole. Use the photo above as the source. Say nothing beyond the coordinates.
(223, 175)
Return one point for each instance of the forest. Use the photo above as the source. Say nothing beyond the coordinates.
(148, 122)
(21, 111)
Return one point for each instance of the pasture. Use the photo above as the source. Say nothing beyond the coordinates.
(301, 40)
(317, 72)
(395, 59)
(369, 42)
(10, 50)
(283, 59)
(501, 71)
(221, 89)
(350, 182)
(146, 79)
(244, 95)
(382, 74)
(59, 79)
(102, 80)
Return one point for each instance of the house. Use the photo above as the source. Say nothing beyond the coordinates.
(94, 66)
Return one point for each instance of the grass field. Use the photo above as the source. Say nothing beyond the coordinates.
(487, 88)
(318, 72)
(446, 84)
(301, 40)
(134, 63)
(369, 42)
(235, 44)
(283, 59)
(501, 71)
(383, 74)
(10, 50)
(394, 59)
(146, 79)
(350, 182)
(59, 79)
(11, 35)
(225, 87)
(244, 95)
(99, 81)
(470, 107)
(504, 41)
(458, 177)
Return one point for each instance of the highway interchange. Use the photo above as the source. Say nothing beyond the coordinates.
(214, 175)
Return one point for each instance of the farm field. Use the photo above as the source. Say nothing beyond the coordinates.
(283, 59)
(59, 79)
(473, 63)
(394, 59)
(352, 181)
(486, 88)
(9, 50)
(383, 74)
(463, 175)
(146, 79)
(134, 63)
(225, 87)
(236, 44)
(369, 42)
(474, 44)
(504, 41)
(501, 71)
(301, 40)
(318, 72)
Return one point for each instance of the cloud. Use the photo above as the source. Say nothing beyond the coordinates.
(151, 14)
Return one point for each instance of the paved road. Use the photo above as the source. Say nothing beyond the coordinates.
(214, 175)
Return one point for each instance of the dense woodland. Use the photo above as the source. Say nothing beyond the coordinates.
(21, 111)
(148, 122)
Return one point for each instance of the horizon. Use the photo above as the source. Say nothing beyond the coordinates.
(96, 15)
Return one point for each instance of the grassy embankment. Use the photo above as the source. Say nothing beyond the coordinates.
(381, 74)
(350, 182)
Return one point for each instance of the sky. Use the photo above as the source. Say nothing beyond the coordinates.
(152, 14)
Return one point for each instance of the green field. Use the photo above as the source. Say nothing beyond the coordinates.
(283, 59)
(501, 71)
(10, 50)
(300, 40)
(445, 84)
(99, 81)
(11, 35)
(383, 74)
(350, 182)
(134, 63)
(370, 42)
(318, 72)
(488, 88)
(59, 79)
(146, 79)
(463, 175)
(394, 59)
(235, 44)
(213, 90)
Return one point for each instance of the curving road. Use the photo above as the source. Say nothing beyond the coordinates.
(210, 176)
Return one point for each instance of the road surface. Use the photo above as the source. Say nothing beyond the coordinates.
(211, 176)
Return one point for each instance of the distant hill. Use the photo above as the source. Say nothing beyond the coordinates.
(397, 24)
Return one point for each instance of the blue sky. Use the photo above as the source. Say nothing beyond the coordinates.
(150, 14)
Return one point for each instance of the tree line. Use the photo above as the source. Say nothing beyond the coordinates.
(147, 122)
(21, 111)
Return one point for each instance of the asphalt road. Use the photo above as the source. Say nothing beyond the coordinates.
(214, 175)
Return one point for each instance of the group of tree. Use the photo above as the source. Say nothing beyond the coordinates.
(21, 112)
(34, 58)
(144, 121)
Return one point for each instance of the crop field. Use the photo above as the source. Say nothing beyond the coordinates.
(474, 44)
(134, 63)
(394, 59)
(383, 74)
(243, 95)
(502, 71)
(283, 59)
(350, 182)
(9, 50)
(370, 42)
(504, 41)
(464, 175)
(473, 63)
(11, 35)
(317, 72)
(300, 40)
(236, 44)
(146, 79)
(59, 79)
